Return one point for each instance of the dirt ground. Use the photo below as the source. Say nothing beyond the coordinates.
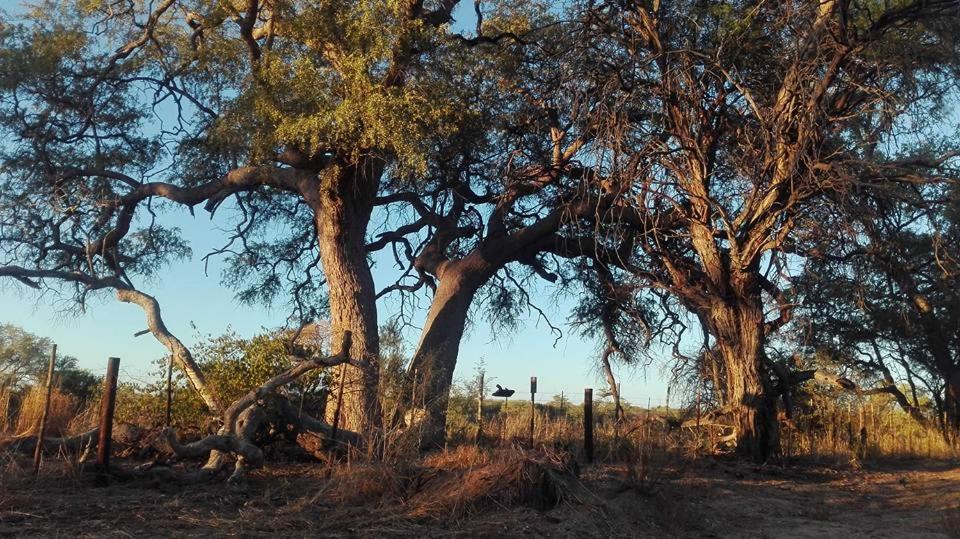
(709, 498)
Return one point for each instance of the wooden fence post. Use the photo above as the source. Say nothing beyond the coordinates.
(533, 392)
(169, 390)
(107, 405)
(38, 451)
(4, 405)
(563, 416)
(336, 412)
(698, 409)
(588, 424)
(480, 410)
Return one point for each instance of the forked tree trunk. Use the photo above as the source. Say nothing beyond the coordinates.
(433, 363)
(739, 332)
(343, 210)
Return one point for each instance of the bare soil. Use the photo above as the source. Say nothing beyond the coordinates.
(708, 498)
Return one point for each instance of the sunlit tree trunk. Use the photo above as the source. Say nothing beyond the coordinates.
(435, 359)
(951, 407)
(738, 327)
(343, 208)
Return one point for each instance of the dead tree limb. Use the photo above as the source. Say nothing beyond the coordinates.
(243, 418)
(27, 443)
(301, 367)
(180, 352)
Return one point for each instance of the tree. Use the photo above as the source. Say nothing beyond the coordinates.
(24, 358)
(298, 110)
(511, 204)
(315, 119)
(736, 125)
(888, 298)
(295, 110)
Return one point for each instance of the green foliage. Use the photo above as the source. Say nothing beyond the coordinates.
(78, 382)
(24, 358)
(321, 87)
(233, 366)
(393, 368)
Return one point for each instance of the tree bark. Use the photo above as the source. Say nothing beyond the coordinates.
(436, 356)
(342, 208)
(951, 407)
(178, 350)
(738, 327)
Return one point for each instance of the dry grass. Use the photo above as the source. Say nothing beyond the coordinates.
(474, 491)
(6, 397)
(452, 483)
(63, 409)
(872, 430)
(458, 458)
(835, 434)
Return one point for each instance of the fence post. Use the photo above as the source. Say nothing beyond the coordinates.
(336, 412)
(169, 390)
(533, 392)
(588, 424)
(480, 410)
(4, 405)
(38, 451)
(107, 405)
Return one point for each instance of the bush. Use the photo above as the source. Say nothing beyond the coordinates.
(232, 366)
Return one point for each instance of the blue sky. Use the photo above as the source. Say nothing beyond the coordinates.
(195, 305)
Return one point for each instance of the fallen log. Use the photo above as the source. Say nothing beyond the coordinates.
(27, 443)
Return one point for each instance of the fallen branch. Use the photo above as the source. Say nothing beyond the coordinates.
(299, 369)
(244, 417)
(225, 443)
(180, 352)
(27, 443)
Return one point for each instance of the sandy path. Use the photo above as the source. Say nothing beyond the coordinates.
(915, 501)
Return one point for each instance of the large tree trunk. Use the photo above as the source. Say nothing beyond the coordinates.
(343, 210)
(739, 330)
(951, 408)
(431, 370)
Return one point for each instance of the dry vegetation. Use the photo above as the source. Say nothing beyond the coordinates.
(63, 410)
(648, 480)
(780, 178)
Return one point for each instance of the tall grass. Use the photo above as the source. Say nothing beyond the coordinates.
(835, 431)
(828, 429)
(6, 398)
(63, 408)
(868, 429)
